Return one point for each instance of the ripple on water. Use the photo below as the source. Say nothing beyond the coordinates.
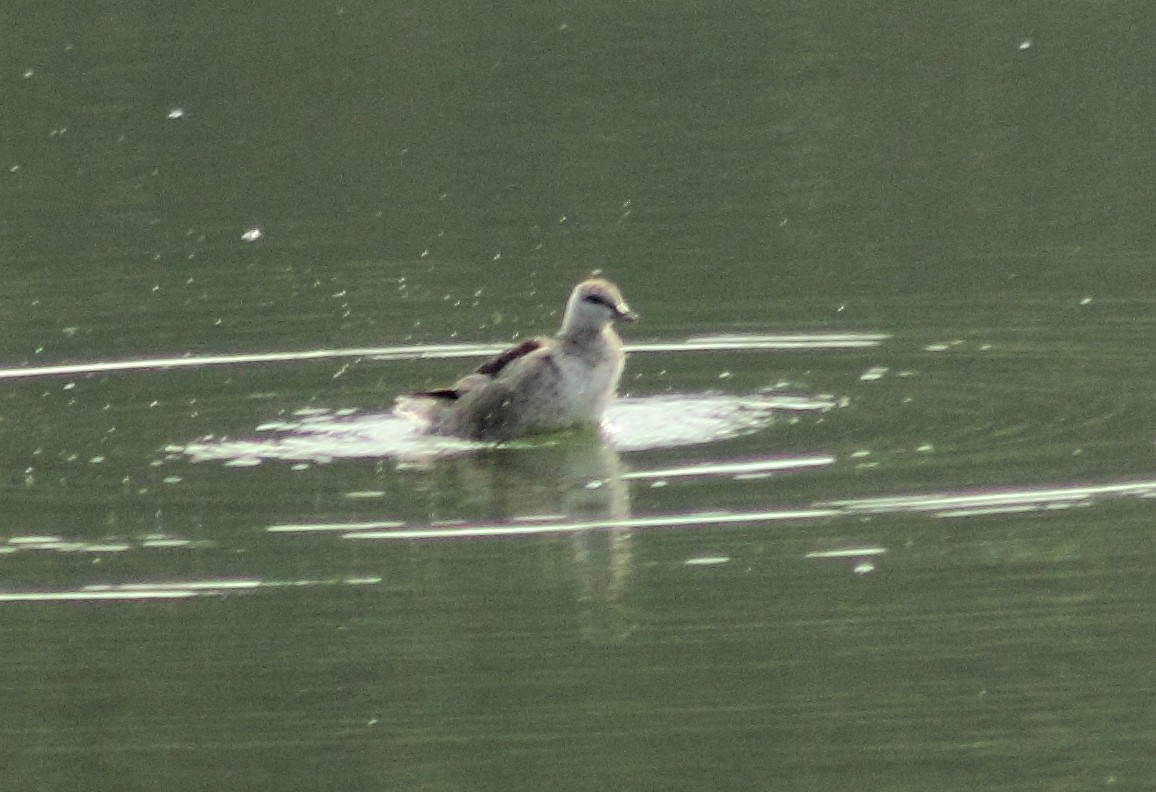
(632, 424)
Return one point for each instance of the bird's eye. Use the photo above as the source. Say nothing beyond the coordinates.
(597, 299)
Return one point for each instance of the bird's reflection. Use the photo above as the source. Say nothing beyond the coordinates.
(572, 477)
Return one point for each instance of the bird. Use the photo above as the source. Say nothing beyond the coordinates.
(543, 384)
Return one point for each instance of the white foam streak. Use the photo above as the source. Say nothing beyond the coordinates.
(848, 552)
(71, 596)
(322, 527)
(739, 343)
(736, 343)
(993, 501)
(633, 523)
(183, 589)
(733, 468)
(939, 505)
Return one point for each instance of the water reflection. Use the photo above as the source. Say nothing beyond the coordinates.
(603, 565)
(569, 476)
(574, 475)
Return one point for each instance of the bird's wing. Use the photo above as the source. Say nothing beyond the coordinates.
(447, 394)
(492, 367)
(484, 373)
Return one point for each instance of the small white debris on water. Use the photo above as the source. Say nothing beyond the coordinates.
(872, 374)
(923, 449)
(864, 567)
(1086, 301)
(252, 235)
(175, 113)
(1025, 44)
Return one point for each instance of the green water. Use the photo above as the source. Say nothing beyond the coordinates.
(199, 588)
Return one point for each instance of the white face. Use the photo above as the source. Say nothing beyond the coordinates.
(596, 303)
(600, 303)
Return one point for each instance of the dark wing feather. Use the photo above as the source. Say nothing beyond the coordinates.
(491, 367)
(448, 394)
(488, 369)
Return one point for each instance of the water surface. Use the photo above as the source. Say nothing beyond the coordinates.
(873, 512)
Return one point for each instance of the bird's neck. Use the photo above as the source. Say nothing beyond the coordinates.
(585, 334)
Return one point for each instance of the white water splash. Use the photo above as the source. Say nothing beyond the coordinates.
(632, 424)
